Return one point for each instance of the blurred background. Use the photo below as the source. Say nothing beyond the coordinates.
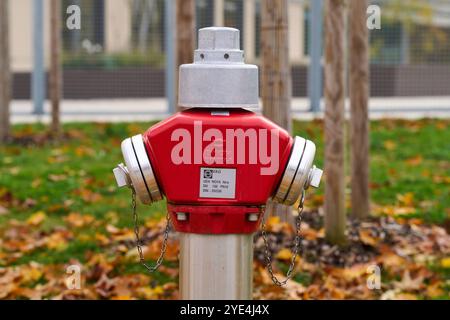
(121, 52)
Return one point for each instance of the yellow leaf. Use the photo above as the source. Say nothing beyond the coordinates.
(445, 263)
(405, 211)
(284, 254)
(57, 242)
(405, 296)
(274, 220)
(406, 199)
(158, 290)
(390, 145)
(77, 220)
(414, 161)
(31, 273)
(102, 239)
(36, 183)
(434, 290)
(36, 218)
(122, 298)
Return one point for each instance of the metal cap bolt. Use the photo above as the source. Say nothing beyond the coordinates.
(315, 174)
(122, 176)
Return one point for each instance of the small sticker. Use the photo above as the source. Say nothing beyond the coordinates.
(217, 183)
(220, 113)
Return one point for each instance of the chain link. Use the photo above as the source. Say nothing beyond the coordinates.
(268, 255)
(297, 242)
(160, 259)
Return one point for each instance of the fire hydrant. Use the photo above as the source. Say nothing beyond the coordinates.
(217, 163)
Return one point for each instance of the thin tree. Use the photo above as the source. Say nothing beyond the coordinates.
(185, 10)
(5, 72)
(334, 89)
(55, 81)
(359, 98)
(276, 74)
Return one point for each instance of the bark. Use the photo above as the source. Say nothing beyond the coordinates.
(55, 76)
(276, 89)
(359, 97)
(185, 32)
(334, 90)
(5, 73)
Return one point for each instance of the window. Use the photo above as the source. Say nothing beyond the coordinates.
(204, 13)
(306, 30)
(92, 25)
(233, 16)
(257, 28)
(386, 42)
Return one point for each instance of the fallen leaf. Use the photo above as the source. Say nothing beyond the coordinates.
(366, 237)
(57, 241)
(284, 254)
(407, 283)
(3, 211)
(389, 145)
(445, 263)
(406, 199)
(405, 296)
(414, 161)
(434, 290)
(36, 218)
(78, 220)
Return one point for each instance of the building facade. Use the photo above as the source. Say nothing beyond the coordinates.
(121, 44)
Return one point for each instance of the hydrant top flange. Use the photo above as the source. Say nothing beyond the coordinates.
(219, 77)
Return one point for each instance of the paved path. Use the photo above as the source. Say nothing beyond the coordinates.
(129, 110)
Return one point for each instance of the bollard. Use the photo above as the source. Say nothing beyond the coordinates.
(217, 163)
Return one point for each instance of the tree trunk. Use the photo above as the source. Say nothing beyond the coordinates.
(276, 75)
(359, 95)
(185, 33)
(5, 73)
(55, 80)
(334, 121)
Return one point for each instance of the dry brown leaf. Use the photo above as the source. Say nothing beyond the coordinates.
(407, 283)
(78, 220)
(366, 237)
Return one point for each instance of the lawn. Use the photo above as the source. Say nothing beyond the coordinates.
(59, 203)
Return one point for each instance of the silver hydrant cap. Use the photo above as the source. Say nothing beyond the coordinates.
(219, 77)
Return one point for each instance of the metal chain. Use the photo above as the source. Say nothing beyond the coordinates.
(160, 259)
(297, 242)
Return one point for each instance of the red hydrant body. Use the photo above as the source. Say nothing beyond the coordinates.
(217, 167)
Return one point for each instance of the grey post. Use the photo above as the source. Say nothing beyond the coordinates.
(315, 55)
(169, 12)
(38, 76)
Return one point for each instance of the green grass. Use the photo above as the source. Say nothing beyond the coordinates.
(405, 157)
(76, 176)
